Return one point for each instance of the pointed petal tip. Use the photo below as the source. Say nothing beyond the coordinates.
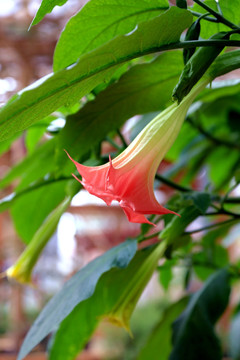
(75, 177)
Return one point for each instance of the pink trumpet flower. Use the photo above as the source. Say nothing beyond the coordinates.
(130, 176)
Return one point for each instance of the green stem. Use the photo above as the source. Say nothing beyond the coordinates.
(113, 143)
(224, 198)
(223, 212)
(197, 14)
(210, 226)
(209, 136)
(143, 238)
(218, 16)
(172, 184)
(232, 200)
(122, 138)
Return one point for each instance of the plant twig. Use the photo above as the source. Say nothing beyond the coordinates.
(211, 226)
(218, 16)
(209, 136)
(172, 184)
(197, 14)
(122, 138)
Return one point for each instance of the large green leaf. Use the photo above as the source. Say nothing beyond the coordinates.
(193, 332)
(144, 88)
(115, 298)
(158, 346)
(32, 167)
(45, 8)
(29, 211)
(101, 22)
(79, 288)
(69, 85)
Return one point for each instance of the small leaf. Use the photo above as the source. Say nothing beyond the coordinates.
(79, 288)
(193, 332)
(165, 276)
(201, 200)
(45, 8)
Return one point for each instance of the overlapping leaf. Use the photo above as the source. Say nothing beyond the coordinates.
(98, 23)
(45, 8)
(193, 332)
(142, 89)
(69, 85)
(79, 288)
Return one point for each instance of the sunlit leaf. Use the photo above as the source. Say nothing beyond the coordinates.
(69, 85)
(100, 23)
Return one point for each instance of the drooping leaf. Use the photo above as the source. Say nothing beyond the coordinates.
(166, 275)
(142, 89)
(45, 8)
(69, 85)
(79, 288)
(158, 346)
(193, 331)
(115, 298)
(100, 22)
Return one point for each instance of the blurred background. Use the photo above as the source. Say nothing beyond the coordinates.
(86, 230)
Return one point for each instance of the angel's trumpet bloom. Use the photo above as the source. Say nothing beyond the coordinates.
(129, 177)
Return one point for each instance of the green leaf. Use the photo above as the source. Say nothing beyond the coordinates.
(201, 200)
(158, 346)
(79, 288)
(234, 337)
(115, 298)
(100, 22)
(69, 85)
(34, 166)
(165, 275)
(208, 260)
(45, 8)
(36, 132)
(225, 63)
(230, 11)
(142, 89)
(222, 171)
(193, 332)
(29, 211)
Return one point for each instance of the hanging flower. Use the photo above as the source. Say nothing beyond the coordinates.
(130, 176)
